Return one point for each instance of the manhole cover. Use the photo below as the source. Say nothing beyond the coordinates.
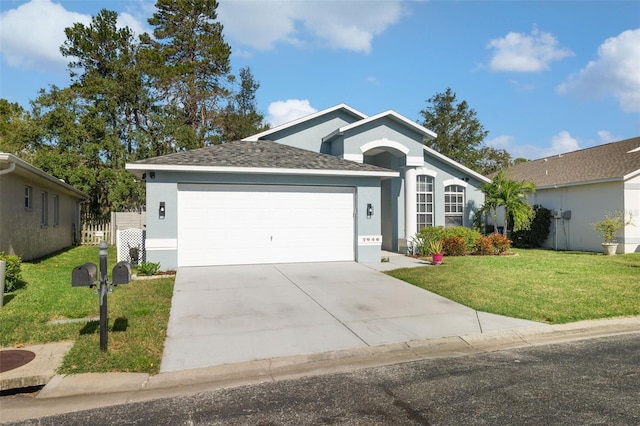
(11, 359)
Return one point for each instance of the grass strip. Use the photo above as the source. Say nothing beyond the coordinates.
(539, 285)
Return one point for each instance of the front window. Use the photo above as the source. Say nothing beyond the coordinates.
(424, 191)
(453, 205)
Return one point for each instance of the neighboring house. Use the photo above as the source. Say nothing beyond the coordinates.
(336, 185)
(39, 214)
(581, 187)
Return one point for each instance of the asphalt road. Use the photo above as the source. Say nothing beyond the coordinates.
(590, 382)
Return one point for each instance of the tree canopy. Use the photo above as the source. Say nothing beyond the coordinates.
(133, 98)
(460, 134)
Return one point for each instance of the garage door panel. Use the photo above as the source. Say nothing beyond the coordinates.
(226, 224)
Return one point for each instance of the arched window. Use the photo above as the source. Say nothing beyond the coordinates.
(454, 205)
(424, 207)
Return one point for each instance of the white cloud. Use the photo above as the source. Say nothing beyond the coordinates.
(561, 143)
(500, 142)
(281, 112)
(338, 25)
(526, 52)
(616, 72)
(32, 33)
(606, 136)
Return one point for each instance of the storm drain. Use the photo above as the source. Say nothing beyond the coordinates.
(14, 358)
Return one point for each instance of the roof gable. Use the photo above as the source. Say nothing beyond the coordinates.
(344, 107)
(608, 162)
(389, 114)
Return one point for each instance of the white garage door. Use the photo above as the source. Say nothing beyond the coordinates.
(236, 224)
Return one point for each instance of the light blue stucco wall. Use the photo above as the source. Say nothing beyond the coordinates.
(164, 188)
(384, 128)
(308, 134)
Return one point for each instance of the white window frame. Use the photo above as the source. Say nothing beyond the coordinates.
(44, 217)
(454, 204)
(424, 201)
(28, 197)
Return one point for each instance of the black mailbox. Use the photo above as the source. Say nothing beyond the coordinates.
(121, 273)
(84, 275)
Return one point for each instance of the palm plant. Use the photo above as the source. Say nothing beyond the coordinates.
(512, 195)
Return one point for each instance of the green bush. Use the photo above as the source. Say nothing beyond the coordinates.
(148, 268)
(538, 231)
(13, 276)
(469, 236)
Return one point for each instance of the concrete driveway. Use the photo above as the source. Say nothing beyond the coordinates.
(229, 314)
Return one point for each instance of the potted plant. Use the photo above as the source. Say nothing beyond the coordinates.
(434, 249)
(611, 224)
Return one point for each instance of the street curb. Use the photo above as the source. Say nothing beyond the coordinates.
(274, 369)
(65, 394)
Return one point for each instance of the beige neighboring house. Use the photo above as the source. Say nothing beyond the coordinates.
(581, 187)
(39, 214)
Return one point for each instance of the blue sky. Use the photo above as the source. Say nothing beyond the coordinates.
(544, 77)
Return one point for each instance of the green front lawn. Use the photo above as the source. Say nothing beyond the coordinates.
(539, 285)
(138, 314)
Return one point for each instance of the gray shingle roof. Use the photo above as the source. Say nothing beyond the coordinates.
(259, 154)
(600, 163)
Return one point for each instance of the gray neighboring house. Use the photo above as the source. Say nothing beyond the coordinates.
(336, 185)
(39, 214)
(581, 187)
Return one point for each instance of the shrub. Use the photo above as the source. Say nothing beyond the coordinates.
(13, 274)
(484, 246)
(148, 268)
(431, 233)
(423, 239)
(538, 231)
(454, 246)
(493, 244)
(500, 243)
(468, 235)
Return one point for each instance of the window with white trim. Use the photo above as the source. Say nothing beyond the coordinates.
(454, 205)
(424, 206)
(56, 210)
(44, 218)
(28, 201)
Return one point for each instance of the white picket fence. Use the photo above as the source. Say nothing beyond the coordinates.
(93, 233)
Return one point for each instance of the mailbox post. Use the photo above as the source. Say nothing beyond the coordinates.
(86, 276)
(104, 320)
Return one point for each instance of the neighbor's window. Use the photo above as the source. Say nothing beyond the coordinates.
(424, 191)
(453, 205)
(45, 208)
(28, 202)
(56, 210)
